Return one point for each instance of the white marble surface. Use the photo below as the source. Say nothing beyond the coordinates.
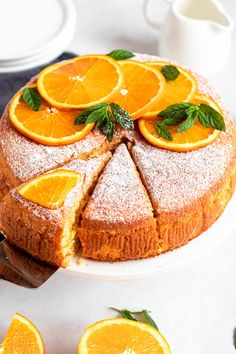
(195, 305)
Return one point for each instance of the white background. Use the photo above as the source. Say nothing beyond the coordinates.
(195, 305)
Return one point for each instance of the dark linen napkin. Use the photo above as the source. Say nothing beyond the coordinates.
(10, 83)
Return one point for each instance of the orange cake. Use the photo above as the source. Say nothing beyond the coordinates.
(134, 200)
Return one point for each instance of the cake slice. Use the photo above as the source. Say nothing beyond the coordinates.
(50, 234)
(118, 222)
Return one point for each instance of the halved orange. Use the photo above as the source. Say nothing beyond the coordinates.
(142, 86)
(120, 335)
(182, 89)
(22, 337)
(48, 126)
(51, 189)
(80, 82)
(192, 139)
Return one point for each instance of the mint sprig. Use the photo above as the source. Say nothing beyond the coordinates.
(129, 315)
(170, 72)
(105, 115)
(32, 98)
(187, 114)
(121, 54)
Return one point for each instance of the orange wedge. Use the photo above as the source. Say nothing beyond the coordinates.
(22, 337)
(122, 336)
(51, 189)
(48, 126)
(81, 82)
(184, 88)
(194, 138)
(142, 86)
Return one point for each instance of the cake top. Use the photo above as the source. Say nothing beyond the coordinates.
(119, 196)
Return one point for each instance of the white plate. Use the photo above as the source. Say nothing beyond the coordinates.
(222, 229)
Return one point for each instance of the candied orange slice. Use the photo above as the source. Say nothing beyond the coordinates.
(51, 189)
(80, 82)
(142, 86)
(123, 336)
(48, 125)
(192, 139)
(184, 88)
(22, 337)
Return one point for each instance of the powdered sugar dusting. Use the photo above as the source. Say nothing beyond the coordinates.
(119, 196)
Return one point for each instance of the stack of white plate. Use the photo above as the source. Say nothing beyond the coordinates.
(34, 32)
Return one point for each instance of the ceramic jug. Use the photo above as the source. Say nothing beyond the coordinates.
(195, 33)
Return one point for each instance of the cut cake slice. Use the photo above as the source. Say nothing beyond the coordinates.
(118, 222)
(50, 234)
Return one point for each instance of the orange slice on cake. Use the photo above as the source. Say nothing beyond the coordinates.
(182, 89)
(142, 86)
(194, 138)
(51, 189)
(22, 337)
(48, 125)
(121, 335)
(81, 82)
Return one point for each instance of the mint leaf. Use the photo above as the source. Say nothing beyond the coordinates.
(82, 117)
(124, 313)
(121, 54)
(172, 120)
(32, 98)
(170, 72)
(188, 123)
(108, 128)
(177, 110)
(149, 319)
(213, 118)
(122, 117)
(100, 115)
(163, 131)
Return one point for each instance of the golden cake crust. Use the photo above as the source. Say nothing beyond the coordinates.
(184, 193)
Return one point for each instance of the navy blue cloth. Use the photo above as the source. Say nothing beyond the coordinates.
(10, 83)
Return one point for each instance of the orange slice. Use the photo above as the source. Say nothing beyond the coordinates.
(192, 139)
(122, 336)
(22, 337)
(51, 189)
(142, 86)
(48, 126)
(184, 88)
(81, 82)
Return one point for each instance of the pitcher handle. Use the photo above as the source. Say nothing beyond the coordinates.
(150, 20)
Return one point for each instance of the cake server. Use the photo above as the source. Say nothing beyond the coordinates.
(21, 269)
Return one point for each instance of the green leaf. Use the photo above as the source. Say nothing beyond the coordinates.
(122, 117)
(172, 120)
(215, 119)
(149, 319)
(188, 123)
(121, 54)
(108, 128)
(124, 313)
(82, 117)
(234, 338)
(177, 110)
(170, 72)
(32, 98)
(100, 115)
(163, 131)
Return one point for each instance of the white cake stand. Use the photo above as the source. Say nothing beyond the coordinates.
(219, 232)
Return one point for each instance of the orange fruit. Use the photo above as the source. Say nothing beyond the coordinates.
(120, 335)
(182, 89)
(142, 86)
(51, 189)
(48, 126)
(192, 139)
(80, 82)
(22, 337)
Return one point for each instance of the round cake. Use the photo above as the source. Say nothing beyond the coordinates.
(134, 200)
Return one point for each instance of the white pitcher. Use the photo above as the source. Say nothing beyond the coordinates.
(195, 33)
